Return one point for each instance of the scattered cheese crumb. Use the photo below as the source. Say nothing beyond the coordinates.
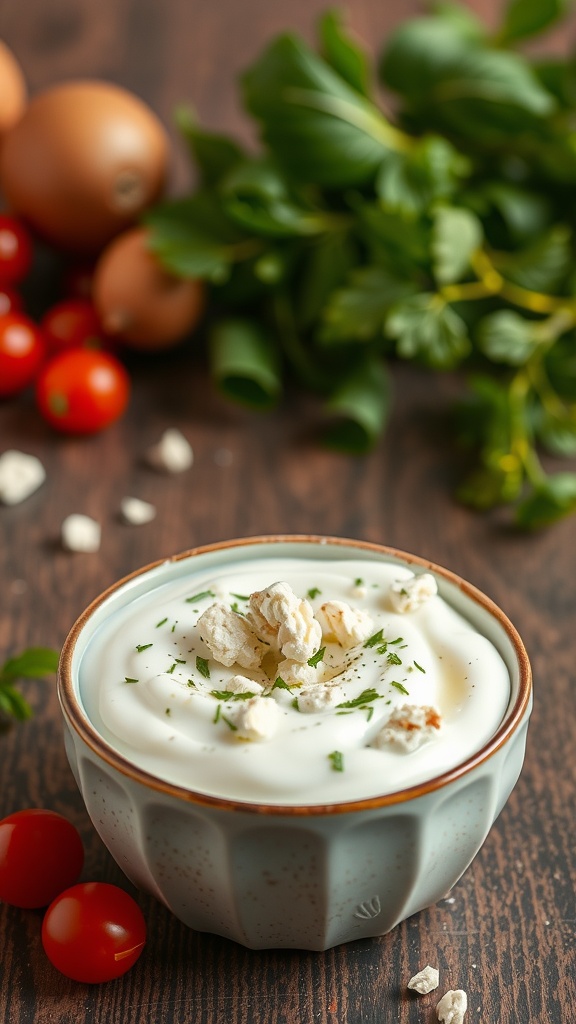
(298, 673)
(137, 512)
(319, 698)
(257, 719)
(172, 453)
(230, 637)
(80, 533)
(452, 1007)
(277, 610)
(409, 595)
(425, 981)
(409, 727)
(347, 626)
(20, 476)
(242, 684)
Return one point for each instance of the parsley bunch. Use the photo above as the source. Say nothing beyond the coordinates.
(30, 664)
(442, 235)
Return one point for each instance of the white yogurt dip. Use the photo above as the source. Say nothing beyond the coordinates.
(153, 689)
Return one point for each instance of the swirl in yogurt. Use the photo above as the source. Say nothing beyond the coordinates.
(293, 681)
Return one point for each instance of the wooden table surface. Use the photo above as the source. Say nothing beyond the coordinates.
(508, 933)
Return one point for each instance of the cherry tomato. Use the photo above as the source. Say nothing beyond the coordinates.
(15, 250)
(93, 932)
(72, 323)
(81, 391)
(41, 854)
(10, 300)
(22, 351)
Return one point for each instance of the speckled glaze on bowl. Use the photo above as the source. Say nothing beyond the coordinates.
(306, 877)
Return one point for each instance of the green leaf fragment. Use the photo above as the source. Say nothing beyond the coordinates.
(245, 363)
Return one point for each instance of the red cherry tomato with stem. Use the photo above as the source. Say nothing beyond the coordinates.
(93, 932)
(22, 351)
(15, 250)
(41, 854)
(82, 391)
(72, 323)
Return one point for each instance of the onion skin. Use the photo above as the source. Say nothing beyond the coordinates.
(82, 163)
(139, 302)
(13, 91)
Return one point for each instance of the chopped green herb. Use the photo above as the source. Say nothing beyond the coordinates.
(168, 712)
(317, 658)
(217, 714)
(143, 647)
(128, 679)
(236, 608)
(279, 684)
(200, 597)
(178, 661)
(398, 640)
(400, 687)
(393, 659)
(191, 683)
(375, 639)
(161, 623)
(419, 667)
(295, 704)
(228, 722)
(229, 695)
(313, 592)
(358, 582)
(202, 667)
(337, 759)
(366, 697)
(242, 597)
(173, 628)
(383, 648)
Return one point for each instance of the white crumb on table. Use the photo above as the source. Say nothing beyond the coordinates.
(80, 533)
(452, 1007)
(172, 453)
(425, 981)
(20, 476)
(137, 512)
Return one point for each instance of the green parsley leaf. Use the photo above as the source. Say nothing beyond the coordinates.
(143, 647)
(196, 598)
(202, 667)
(313, 592)
(400, 687)
(317, 658)
(337, 760)
(32, 663)
(279, 684)
(366, 697)
(375, 639)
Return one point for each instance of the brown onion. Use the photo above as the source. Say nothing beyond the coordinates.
(85, 159)
(138, 301)
(13, 92)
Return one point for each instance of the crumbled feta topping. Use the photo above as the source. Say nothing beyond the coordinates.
(257, 719)
(347, 626)
(137, 512)
(425, 981)
(20, 476)
(452, 1007)
(230, 637)
(291, 620)
(298, 673)
(80, 533)
(242, 684)
(172, 453)
(319, 698)
(409, 595)
(409, 727)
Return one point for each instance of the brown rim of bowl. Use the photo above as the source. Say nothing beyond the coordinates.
(84, 728)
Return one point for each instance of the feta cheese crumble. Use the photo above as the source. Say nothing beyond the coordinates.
(257, 719)
(425, 981)
(137, 512)
(345, 625)
(409, 595)
(230, 637)
(80, 533)
(288, 619)
(452, 1007)
(409, 727)
(20, 476)
(172, 453)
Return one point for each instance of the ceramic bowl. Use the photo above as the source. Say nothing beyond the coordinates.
(305, 877)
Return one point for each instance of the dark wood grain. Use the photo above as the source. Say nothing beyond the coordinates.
(508, 933)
